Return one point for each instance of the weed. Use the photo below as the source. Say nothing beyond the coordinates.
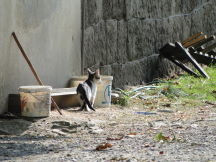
(123, 100)
(191, 87)
(161, 137)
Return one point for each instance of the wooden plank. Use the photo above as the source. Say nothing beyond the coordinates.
(204, 41)
(204, 58)
(192, 37)
(184, 67)
(200, 48)
(209, 48)
(191, 59)
(212, 53)
(195, 41)
(63, 91)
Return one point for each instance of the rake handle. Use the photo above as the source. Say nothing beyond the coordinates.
(33, 69)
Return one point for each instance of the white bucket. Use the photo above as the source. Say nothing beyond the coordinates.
(103, 97)
(35, 101)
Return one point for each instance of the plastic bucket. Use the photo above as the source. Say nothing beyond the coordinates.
(35, 101)
(104, 88)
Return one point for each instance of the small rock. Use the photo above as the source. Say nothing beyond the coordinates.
(194, 125)
(113, 124)
(68, 130)
(95, 130)
(62, 123)
(121, 158)
(131, 136)
(59, 132)
(159, 124)
(196, 144)
(56, 126)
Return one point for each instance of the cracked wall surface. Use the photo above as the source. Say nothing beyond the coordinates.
(49, 32)
(122, 37)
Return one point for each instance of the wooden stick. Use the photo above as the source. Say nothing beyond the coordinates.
(192, 37)
(33, 69)
(195, 41)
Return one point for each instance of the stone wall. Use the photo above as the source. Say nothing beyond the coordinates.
(123, 36)
(49, 31)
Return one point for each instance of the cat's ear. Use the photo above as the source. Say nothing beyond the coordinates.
(89, 71)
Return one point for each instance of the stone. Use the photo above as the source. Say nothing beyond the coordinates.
(111, 41)
(122, 43)
(57, 131)
(114, 9)
(92, 11)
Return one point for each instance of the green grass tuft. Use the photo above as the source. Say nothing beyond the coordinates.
(193, 88)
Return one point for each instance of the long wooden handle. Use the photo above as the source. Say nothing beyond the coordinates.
(33, 69)
(195, 41)
(192, 37)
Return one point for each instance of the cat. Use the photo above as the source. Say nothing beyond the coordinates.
(88, 89)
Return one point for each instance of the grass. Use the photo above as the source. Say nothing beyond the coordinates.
(123, 100)
(186, 90)
(191, 87)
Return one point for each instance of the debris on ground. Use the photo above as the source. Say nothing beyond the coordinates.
(115, 139)
(103, 146)
(146, 113)
(161, 137)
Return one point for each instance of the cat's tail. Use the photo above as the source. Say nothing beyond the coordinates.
(82, 91)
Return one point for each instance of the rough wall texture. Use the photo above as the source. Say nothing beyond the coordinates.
(50, 34)
(123, 36)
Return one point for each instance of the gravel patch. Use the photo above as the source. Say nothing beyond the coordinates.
(75, 135)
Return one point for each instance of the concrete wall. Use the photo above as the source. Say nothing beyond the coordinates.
(49, 31)
(123, 36)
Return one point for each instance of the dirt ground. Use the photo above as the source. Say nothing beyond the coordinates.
(188, 133)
